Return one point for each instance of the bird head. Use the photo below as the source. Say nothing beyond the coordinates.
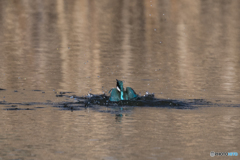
(120, 85)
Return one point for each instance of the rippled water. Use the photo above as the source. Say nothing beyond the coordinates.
(185, 52)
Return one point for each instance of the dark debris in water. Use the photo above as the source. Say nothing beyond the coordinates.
(64, 92)
(18, 106)
(96, 101)
(39, 107)
(14, 109)
(101, 103)
(70, 106)
(59, 95)
(144, 101)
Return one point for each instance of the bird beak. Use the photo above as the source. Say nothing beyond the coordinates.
(118, 89)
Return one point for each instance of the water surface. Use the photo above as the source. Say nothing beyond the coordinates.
(181, 51)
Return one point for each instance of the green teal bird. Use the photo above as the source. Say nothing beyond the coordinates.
(118, 93)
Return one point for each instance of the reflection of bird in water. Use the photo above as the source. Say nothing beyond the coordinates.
(118, 93)
(119, 117)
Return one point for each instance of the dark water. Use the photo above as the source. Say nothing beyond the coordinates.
(185, 52)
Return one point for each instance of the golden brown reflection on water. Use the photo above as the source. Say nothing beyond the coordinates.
(176, 49)
(182, 49)
(143, 133)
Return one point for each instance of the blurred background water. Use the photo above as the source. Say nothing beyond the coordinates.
(176, 49)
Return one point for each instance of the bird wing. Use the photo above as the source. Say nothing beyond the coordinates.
(115, 95)
(131, 93)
